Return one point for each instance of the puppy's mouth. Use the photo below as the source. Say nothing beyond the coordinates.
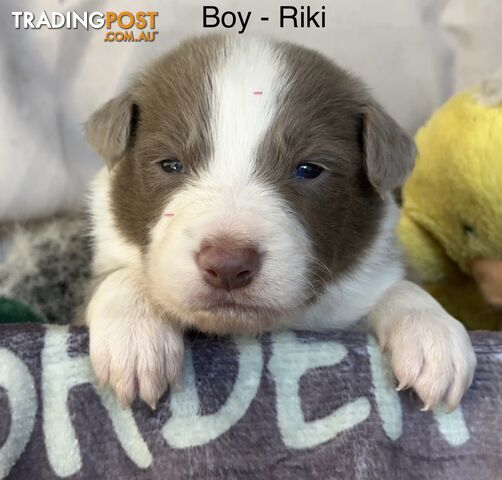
(227, 303)
(243, 304)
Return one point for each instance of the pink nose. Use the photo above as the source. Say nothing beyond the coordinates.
(228, 268)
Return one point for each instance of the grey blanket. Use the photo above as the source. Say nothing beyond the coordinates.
(299, 405)
(292, 405)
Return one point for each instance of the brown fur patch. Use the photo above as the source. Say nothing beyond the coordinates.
(172, 98)
(320, 122)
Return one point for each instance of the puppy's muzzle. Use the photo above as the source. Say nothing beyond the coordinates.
(228, 268)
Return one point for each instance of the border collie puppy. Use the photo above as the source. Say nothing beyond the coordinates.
(248, 188)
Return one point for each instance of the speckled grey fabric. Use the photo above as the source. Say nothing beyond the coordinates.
(47, 265)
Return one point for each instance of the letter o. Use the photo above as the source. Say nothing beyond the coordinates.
(120, 21)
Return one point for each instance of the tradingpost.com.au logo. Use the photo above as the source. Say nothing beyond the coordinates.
(120, 26)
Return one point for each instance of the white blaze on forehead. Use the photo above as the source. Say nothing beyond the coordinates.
(226, 199)
(246, 85)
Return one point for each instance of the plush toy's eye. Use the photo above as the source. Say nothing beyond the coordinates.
(468, 229)
(172, 166)
(307, 171)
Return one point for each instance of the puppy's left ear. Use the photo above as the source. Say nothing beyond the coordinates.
(389, 152)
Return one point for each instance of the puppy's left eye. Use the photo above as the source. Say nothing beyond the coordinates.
(172, 166)
(307, 171)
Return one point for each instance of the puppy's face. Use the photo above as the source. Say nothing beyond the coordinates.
(250, 174)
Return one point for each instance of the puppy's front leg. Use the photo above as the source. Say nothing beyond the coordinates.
(133, 347)
(429, 350)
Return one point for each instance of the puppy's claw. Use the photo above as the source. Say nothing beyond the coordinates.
(150, 394)
(402, 386)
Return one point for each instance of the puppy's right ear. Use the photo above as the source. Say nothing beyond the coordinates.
(110, 129)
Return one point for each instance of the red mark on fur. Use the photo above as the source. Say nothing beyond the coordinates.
(257, 93)
(168, 214)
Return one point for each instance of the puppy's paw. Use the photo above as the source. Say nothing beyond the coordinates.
(132, 347)
(140, 360)
(431, 352)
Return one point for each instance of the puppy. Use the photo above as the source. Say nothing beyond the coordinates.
(248, 188)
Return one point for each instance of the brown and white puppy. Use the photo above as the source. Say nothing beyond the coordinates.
(247, 189)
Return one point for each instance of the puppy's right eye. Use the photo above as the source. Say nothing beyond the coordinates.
(172, 166)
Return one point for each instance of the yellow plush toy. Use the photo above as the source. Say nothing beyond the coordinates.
(451, 222)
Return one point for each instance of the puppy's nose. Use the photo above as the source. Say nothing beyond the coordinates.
(228, 268)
